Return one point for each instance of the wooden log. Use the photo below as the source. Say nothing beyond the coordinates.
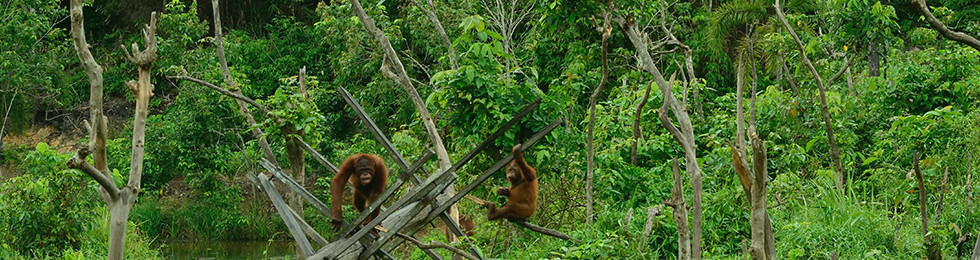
(295, 187)
(294, 228)
(434, 182)
(437, 244)
(309, 229)
(317, 156)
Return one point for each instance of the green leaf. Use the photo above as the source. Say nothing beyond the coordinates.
(41, 147)
(494, 35)
(809, 145)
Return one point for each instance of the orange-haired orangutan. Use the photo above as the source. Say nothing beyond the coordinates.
(522, 196)
(368, 175)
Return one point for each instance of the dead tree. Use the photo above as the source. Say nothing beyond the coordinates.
(393, 69)
(684, 135)
(753, 181)
(946, 32)
(294, 153)
(590, 144)
(828, 125)
(680, 213)
(119, 199)
(505, 16)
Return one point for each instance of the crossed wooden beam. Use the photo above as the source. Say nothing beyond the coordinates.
(425, 192)
(412, 204)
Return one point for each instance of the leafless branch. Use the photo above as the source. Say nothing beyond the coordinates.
(78, 162)
(437, 244)
(223, 91)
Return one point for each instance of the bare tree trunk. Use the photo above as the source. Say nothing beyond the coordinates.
(754, 183)
(590, 144)
(740, 114)
(120, 201)
(431, 13)
(637, 132)
(684, 135)
(946, 32)
(874, 60)
(98, 131)
(680, 213)
(400, 76)
(761, 224)
(924, 216)
(828, 126)
(3, 127)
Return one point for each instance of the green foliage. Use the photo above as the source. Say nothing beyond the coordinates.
(51, 211)
(34, 55)
(290, 110)
(45, 210)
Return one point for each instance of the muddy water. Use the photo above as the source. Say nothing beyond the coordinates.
(228, 250)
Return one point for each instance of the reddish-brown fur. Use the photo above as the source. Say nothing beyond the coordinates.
(372, 169)
(522, 196)
(467, 225)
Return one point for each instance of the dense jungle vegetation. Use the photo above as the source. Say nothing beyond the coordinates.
(688, 129)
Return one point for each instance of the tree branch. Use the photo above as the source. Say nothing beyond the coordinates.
(99, 131)
(847, 64)
(828, 126)
(78, 162)
(430, 12)
(437, 244)
(543, 230)
(225, 92)
(946, 32)
(226, 74)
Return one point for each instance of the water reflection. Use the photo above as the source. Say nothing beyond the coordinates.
(228, 250)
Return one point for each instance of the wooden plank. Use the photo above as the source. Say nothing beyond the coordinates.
(392, 231)
(317, 156)
(295, 187)
(294, 229)
(373, 127)
(308, 229)
(432, 184)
